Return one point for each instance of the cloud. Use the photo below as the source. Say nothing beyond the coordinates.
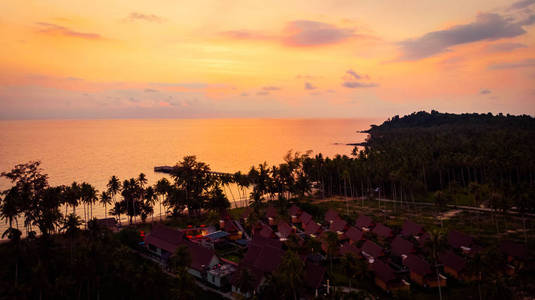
(521, 4)
(485, 91)
(356, 84)
(487, 26)
(187, 85)
(306, 76)
(312, 33)
(262, 93)
(150, 91)
(53, 29)
(309, 86)
(530, 20)
(135, 16)
(526, 63)
(350, 74)
(271, 88)
(505, 47)
(245, 35)
(244, 94)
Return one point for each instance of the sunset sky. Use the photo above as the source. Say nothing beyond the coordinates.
(64, 59)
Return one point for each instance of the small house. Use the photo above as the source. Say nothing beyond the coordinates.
(364, 223)
(421, 272)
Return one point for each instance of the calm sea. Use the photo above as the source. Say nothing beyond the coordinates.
(94, 150)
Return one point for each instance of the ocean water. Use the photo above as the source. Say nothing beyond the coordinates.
(94, 150)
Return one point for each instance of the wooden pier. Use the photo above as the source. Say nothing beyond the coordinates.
(169, 170)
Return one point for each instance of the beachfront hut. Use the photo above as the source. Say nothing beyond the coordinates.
(271, 215)
(364, 223)
(304, 218)
(263, 230)
(421, 272)
(338, 226)
(312, 228)
(331, 215)
(454, 265)
(284, 230)
(401, 246)
(371, 251)
(354, 235)
(383, 232)
(386, 279)
(227, 224)
(459, 240)
(350, 248)
(294, 212)
(411, 229)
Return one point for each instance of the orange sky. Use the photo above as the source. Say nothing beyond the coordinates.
(315, 58)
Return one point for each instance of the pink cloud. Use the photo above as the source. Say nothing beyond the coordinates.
(53, 29)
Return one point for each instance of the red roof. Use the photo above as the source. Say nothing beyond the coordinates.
(411, 228)
(349, 248)
(401, 246)
(331, 215)
(364, 221)
(458, 239)
(305, 218)
(284, 229)
(338, 225)
(312, 227)
(200, 256)
(372, 249)
(417, 265)
(230, 226)
(452, 260)
(383, 271)
(165, 238)
(354, 234)
(269, 259)
(261, 242)
(382, 230)
(271, 212)
(294, 210)
(314, 275)
(265, 231)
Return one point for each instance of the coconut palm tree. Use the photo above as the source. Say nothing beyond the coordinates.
(105, 199)
(437, 242)
(162, 189)
(114, 187)
(246, 281)
(10, 206)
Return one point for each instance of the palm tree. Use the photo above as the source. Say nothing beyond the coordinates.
(162, 189)
(180, 260)
(89, 196)
(291, 272)
(331, 238)
(437, 242)
(114, 186)
(354, 268)
(150, 198)
(105, 199)
(246, 281)
(10, 206)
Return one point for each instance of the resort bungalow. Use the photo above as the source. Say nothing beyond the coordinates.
(314, 277)
(383, 232)
(386, 279)
(459, 240)
(263, 230)
(364, 223)
(295, 212)
(371, 251)
(454, 265)
(331, 215)
(312, 229)
(516, 255)
(354, 235)
(401, 246)
(227, 224)
(411, 229)
(271, 215)
(304, 218)
(284, 230)
(338, 226)
(421, 272)
(163, 241)
(350, 248)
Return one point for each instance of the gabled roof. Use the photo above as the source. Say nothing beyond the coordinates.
(417, 265)
(284, 229)
(372, 249)
(230, 227)
(514, 249)
(312, 227)
(411, 228)
(271, 212)
(200, 256)
(269, 259)
(382, 230)
(314, 275)
(452, 260)
(294, 210)
(164, 237)
(401, 246)
(383, 271)
(457, 239)
(349, 248)
(305, 218)
(338, 225)
(331, 215)
(363, 221)
(354, 234)
(265, 231)
(261, 242)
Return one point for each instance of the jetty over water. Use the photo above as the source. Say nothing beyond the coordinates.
(169, 170)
